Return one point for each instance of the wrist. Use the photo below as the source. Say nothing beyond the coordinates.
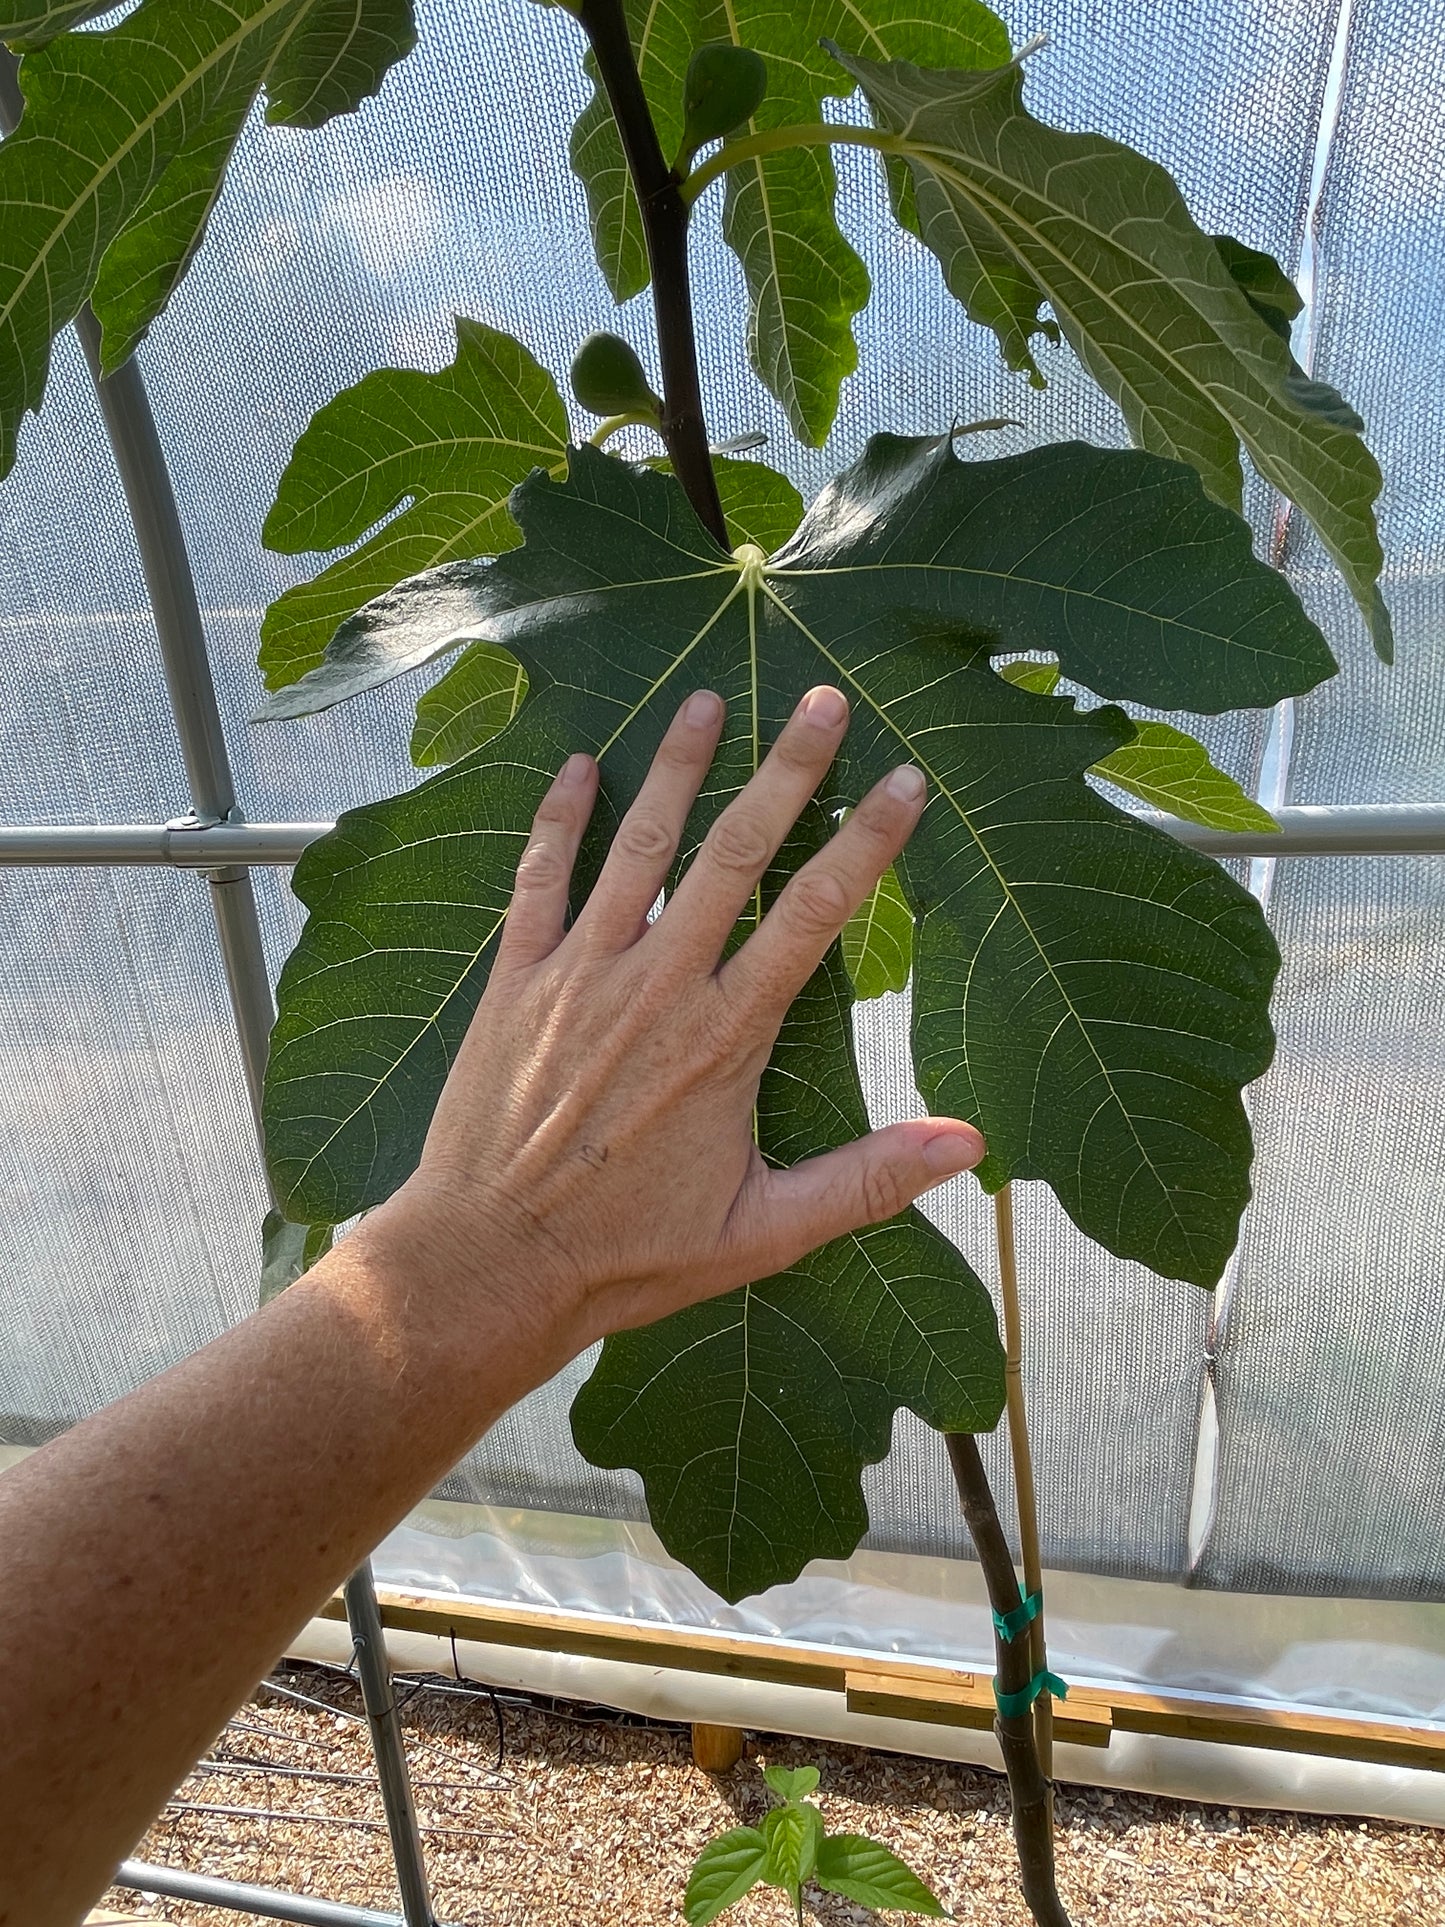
(461, 1287)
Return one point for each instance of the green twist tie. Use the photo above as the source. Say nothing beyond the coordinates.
(1010, 1705)
(1008, 1626)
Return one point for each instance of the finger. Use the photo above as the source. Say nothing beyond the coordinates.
(747, 836)
(863, 1183)
(793, 938)
(537, 918)
(647, 837)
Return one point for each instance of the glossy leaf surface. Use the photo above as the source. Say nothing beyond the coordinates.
(726, 1869)
(451, 445)
(862, 1870)
(481, 692)
(1091, 993)
(792, 1835)
(1146, 300)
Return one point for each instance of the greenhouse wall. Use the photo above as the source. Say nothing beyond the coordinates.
(1284, 1438)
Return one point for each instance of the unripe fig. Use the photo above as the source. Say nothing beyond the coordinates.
(724, 87)
(608, 379)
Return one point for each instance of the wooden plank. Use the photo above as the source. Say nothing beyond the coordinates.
(916, 1684)
(638, 1644)
(1281, 1729)
(963, 1700)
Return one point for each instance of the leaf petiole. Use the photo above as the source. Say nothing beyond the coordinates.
(775, 140)
(614, 425)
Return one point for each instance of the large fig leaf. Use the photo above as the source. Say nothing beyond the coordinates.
(749, 1417)
(805, 282)
(452, 445)
(483, 690)
(1089, 991)
(1149, 303)
(107, 115)
(1092, 1031)
(30, 23)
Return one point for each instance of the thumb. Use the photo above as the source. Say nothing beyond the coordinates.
(860, 1184)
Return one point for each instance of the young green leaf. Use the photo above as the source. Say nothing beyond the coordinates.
(1145, 299)
(805, 282)
(792, 1835)
(761, 506)
(878, 940)
(106, 114)
(727, 1868)
(453, 445)
(862, 1870)
(725, 86)
(1099, 1039)
(1171, 771)
(792, 1782)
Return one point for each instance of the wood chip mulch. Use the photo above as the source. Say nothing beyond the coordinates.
(593, 1818)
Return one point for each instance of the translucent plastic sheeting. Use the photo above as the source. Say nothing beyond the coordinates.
(1376, 1660)
(1180, 1769)
(135, 1204)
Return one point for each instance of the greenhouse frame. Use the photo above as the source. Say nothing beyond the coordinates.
(1242, 1496)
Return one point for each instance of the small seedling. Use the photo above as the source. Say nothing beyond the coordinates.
(791, 1848)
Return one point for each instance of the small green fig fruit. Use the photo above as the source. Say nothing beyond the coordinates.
(724, 87)
(608, 379)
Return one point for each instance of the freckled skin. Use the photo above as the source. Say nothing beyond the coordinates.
(590, 1166)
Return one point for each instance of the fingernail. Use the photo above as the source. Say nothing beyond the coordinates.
(702, 709)
(906, 784)
(826, 707)
(575, 770)
(952, 1151)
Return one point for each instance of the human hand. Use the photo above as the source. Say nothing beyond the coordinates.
(592, 1150)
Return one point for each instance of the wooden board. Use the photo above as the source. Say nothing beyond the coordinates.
(964, 1700)
(930, 1691)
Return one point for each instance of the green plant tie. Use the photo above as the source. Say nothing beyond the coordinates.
(1008, 1626)
(1010, 1705)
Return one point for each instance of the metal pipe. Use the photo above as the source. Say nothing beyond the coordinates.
(1351, 829)
(187, 845)
(373, 1670)
(242, 1898)
(175, 610)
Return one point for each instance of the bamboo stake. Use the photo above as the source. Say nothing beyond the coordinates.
(1023, 1464)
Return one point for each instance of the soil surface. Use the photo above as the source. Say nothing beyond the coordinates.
(595, 1819)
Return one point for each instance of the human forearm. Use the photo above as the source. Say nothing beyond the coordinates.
(590, 1166)
(157, 1558)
